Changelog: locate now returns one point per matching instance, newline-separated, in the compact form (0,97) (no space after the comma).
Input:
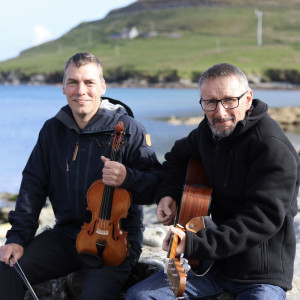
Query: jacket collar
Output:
(105,119)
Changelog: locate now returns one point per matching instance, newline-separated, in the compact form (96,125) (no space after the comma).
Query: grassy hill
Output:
(188,41)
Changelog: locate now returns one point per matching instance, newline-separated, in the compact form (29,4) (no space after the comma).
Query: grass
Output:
(208,35)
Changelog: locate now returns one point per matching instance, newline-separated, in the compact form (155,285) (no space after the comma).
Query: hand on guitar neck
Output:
(181,243)
(189,215)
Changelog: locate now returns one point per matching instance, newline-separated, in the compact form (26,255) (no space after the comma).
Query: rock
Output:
(4,213)
(3,229)
(153,236)
(152,260)
(288,117)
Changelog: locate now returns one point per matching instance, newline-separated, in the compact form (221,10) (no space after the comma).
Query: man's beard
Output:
(222,133)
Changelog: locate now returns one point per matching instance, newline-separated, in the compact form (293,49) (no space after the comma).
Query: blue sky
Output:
(27,23)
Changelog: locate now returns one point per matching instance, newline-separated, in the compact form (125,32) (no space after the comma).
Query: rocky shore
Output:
(287,117)
(152,258)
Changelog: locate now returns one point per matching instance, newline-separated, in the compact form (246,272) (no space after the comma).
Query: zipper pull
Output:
(75,152)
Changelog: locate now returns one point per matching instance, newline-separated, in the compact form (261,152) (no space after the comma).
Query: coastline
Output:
(287,117)
(181,84)
(187,84)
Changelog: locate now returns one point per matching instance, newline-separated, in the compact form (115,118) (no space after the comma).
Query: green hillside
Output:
(188,41)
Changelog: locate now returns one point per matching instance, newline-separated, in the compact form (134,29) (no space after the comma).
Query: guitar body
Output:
(195,203)
(196,196)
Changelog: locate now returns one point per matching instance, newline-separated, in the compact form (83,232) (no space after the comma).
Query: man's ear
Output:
(103,86)
(249,98)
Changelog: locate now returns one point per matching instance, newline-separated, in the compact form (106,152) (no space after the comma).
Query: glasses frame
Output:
(221,100)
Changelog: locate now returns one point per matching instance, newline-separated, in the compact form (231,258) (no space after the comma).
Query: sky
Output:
(28,23)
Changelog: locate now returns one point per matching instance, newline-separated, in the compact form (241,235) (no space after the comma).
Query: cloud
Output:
(40,35)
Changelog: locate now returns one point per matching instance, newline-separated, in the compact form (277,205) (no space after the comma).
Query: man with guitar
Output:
(73,151)
(253,170)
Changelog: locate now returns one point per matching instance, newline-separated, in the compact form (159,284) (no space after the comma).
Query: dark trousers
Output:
(51,255)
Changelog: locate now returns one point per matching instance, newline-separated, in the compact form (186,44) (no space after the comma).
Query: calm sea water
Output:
(24,109)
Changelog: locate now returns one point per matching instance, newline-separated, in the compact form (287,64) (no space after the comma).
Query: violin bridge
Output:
(102,232)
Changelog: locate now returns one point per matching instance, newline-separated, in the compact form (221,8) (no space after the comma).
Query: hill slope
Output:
(185,40)
(145,5)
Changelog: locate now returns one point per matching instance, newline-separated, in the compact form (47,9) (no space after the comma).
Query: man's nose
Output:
(220,110)
(80,88)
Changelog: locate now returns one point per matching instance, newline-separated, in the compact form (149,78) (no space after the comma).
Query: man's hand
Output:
(113,172)
(166,210)
(11,251)
(181,240)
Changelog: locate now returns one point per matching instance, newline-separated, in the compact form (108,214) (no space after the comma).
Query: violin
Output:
(102,241)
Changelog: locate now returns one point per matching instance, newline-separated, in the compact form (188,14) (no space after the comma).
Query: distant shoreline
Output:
(177,85)
(193,85)
(288,117)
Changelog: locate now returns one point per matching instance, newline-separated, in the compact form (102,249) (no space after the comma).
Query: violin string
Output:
(105,198)
(108,190)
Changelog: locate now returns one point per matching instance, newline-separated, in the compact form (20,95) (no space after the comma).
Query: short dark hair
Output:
(224,70)
(81,59)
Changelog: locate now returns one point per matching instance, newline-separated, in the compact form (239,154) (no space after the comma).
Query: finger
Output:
(11,262)
(163,210)
(164,220)
(168,213)
(161,217)
(104,159)
(166,241)
(178,232)
(8,257)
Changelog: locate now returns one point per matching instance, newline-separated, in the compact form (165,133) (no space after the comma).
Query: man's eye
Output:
(211,102)
(229,100)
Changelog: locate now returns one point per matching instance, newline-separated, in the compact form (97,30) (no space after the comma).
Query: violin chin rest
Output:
(91,259)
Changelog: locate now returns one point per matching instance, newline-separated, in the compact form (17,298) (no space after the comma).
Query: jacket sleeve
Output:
(141,165)
(31,198)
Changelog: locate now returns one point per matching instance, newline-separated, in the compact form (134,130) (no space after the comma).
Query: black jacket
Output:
(54,171)
(254,174)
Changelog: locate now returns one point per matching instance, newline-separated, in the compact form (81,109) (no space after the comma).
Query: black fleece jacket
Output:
(55,171)
(254,174)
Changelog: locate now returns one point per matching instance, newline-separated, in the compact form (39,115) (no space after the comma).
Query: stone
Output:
(152,260)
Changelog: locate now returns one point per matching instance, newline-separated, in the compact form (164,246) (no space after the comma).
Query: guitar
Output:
(192,216)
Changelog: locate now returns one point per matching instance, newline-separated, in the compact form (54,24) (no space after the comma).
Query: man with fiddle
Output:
(73,151)
(253,170)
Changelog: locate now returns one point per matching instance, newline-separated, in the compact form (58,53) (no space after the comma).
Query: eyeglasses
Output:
(228,103)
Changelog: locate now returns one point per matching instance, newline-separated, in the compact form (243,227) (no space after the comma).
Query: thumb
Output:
(104,159)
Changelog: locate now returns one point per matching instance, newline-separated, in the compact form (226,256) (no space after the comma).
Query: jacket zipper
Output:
(75,151)
(229,167)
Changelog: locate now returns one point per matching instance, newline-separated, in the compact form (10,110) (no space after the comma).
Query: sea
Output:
(24,109)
